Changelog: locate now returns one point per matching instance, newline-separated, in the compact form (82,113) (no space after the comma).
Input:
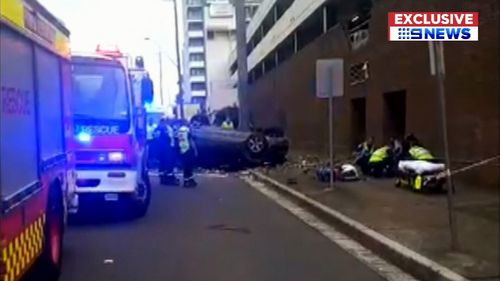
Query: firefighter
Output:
(381,161)
(362,153)
(165,149)
(187,153)
(150,129)
(227,124)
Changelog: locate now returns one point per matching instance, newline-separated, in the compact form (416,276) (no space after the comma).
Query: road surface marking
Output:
(379,265)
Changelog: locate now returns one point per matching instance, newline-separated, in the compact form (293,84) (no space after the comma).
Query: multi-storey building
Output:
(194,52)
(210,37)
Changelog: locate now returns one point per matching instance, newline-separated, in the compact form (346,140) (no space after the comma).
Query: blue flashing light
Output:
(84,137)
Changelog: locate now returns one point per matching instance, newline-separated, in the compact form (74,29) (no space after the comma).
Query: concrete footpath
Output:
(417,222)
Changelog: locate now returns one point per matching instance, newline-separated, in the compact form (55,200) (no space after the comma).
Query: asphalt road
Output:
(222,230)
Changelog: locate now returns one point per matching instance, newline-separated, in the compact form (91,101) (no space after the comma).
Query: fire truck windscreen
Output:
(100,96)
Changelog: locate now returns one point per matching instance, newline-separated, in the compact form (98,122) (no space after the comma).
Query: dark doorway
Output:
(358,121)
(394,114)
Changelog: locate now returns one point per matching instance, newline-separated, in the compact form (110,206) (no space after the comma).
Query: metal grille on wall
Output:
(358,73)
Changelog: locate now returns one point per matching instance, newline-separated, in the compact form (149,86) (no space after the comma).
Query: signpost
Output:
(436,55)
(330,84)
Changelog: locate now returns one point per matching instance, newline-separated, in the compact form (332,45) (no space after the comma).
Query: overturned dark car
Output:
(218,147)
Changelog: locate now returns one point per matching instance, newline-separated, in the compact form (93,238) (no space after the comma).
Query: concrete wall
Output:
(472,89)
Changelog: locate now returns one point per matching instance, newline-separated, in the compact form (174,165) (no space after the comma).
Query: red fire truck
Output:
(110,133)
(36,164)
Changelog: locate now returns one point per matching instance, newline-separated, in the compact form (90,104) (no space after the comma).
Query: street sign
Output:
(329,78)
(330,84)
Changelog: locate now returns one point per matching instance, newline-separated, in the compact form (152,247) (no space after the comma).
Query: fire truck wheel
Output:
(144,199)
(51,258)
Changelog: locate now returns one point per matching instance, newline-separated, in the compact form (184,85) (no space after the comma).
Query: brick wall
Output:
(472,89)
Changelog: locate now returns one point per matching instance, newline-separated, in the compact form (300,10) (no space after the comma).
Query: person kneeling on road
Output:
(381,161)
(187,152)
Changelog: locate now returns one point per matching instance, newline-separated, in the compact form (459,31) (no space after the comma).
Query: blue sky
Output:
(125,23)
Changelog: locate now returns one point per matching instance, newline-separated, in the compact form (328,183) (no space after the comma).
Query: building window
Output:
(195,2)
(195,26)
(197,71)
(196,57)
(250,11)
(195,42)
(198,86)
(358,25)
(210,35)
(195,13)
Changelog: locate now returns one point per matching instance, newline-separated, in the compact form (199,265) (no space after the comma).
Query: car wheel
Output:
(255,146)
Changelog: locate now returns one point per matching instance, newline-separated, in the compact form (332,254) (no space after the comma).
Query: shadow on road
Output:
(101,214)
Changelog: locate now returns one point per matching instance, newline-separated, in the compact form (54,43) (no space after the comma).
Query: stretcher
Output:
(420,175)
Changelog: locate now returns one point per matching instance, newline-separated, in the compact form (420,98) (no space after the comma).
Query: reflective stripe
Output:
(365,148)
(150,131)
(227,125)
(418,183)
(420,153)
(183,136)
(23,250)
(379,154)
(171,135)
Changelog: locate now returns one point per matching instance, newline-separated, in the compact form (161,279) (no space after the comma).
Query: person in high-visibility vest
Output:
(165,147)
(362,153)
(227,124)
(380,161)
(419,153)
(187,152)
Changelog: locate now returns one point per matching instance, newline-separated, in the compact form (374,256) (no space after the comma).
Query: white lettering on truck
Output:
(98,130)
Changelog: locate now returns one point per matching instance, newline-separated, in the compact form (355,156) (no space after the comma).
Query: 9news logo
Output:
(433,26)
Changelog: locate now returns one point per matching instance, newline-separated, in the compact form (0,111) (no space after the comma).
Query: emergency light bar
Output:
(110,51)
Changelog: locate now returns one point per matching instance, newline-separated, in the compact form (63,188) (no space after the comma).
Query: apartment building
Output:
(194,53)
(210,37)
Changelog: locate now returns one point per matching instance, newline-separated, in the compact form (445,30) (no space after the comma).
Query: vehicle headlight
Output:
(116,156)
(83,137)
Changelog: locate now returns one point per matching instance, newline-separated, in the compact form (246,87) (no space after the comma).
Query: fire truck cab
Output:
(36,160)
(109,133)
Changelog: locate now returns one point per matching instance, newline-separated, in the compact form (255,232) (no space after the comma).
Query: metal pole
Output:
(440,73)
(330,123)
(241,45)
(180,97)
(161,76)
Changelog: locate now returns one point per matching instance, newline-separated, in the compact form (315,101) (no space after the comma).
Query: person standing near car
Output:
(165,146)
(152,155)
(187,153)
(227,124)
